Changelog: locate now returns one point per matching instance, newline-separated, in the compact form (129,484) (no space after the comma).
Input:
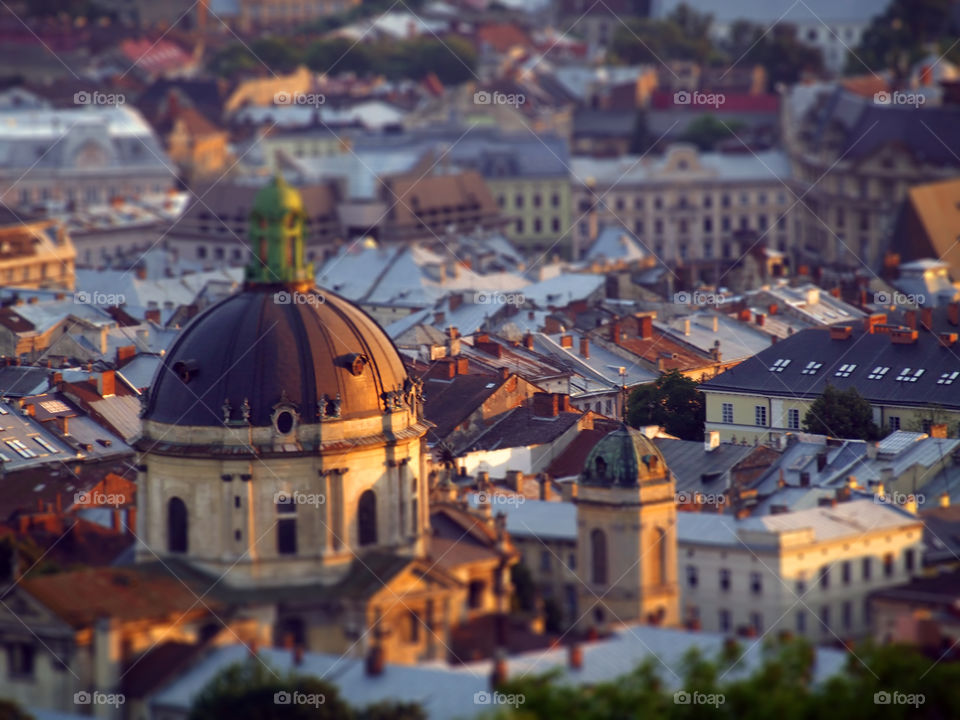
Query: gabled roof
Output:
(867,352)
(521,427)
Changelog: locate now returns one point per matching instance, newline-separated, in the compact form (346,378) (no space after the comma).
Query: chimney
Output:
(514,480)
(546,488)
(456,300)
(125,353)
(944,500)
(761,318)
(821,460)
(528,341)
(711,440)
(871,321)
(141,272)
(584,347)
(938,430)
(544,404)
(827,502)
(953,313)
(374,664)
(686,327)
(646,327)
(903,336)
(152,316)
(926,319)
(504,373)
(575,656)
(463,366)
(566,341)
(772,309)
(840,332)
(948,339)
(910,317)
(615,332)
(499,675)
(490,348)
(63,424)
(107,383)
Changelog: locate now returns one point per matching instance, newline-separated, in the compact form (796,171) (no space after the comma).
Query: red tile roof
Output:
(503,36)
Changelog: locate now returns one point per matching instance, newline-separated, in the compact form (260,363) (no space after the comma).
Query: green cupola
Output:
(276,237)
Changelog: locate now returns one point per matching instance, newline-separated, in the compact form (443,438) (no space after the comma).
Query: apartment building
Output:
(809,572)
(854,159)
(909,376)
(686,205)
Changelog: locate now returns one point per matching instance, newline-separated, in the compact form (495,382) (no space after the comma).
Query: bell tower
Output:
(627,535)
(276,237)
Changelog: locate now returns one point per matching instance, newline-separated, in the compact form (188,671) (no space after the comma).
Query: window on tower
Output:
(177,525)
(367,518)
(598,553)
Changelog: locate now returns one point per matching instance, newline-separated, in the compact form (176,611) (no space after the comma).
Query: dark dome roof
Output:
(623,457)
(254,347)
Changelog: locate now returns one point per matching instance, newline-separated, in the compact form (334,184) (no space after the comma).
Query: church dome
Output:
(623,457)
(280,345)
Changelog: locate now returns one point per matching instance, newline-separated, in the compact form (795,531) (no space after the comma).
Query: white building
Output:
(74,158)
(807,572)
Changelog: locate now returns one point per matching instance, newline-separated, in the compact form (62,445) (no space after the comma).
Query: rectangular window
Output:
(867,568)
(756,620)
(824,577)
(727,410)
(793,419)
(287,536)
(756,583)
(846,572)
(909,558)
(545,561)
(888,565)
(894,422)
(846,614)
(760,415)
(724,579)
(20,660)
(801,622)
(691,575)
(724,618)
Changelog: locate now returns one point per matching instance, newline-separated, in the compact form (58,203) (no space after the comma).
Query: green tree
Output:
(525,591)
(251,691)
(338,55)
(277,54)
(642,40)
(389,710)
(706,131)
(904,33)
(673,402)
(233,60)
(777,50)
(841,414)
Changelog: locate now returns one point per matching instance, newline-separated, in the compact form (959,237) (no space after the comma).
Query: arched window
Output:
(177,525)
(660,571)
(598,552)
(367,518)
(601,465)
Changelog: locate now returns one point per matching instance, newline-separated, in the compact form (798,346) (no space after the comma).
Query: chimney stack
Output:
(584,347)
(545,404)
(375,662)
(575,656)
(615,332)
(528,341)
(499,675)
(646,327)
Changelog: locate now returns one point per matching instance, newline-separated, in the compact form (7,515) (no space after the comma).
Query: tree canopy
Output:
(673,402)
(841,414)
(782,687)
(251,690)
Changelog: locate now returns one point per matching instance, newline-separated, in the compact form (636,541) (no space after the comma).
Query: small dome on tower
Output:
(624,457)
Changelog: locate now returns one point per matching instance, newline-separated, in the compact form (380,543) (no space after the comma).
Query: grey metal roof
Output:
(867,351)
(695,469)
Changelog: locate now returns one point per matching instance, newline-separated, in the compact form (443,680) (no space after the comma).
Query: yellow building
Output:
(35,254)
(908,376)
